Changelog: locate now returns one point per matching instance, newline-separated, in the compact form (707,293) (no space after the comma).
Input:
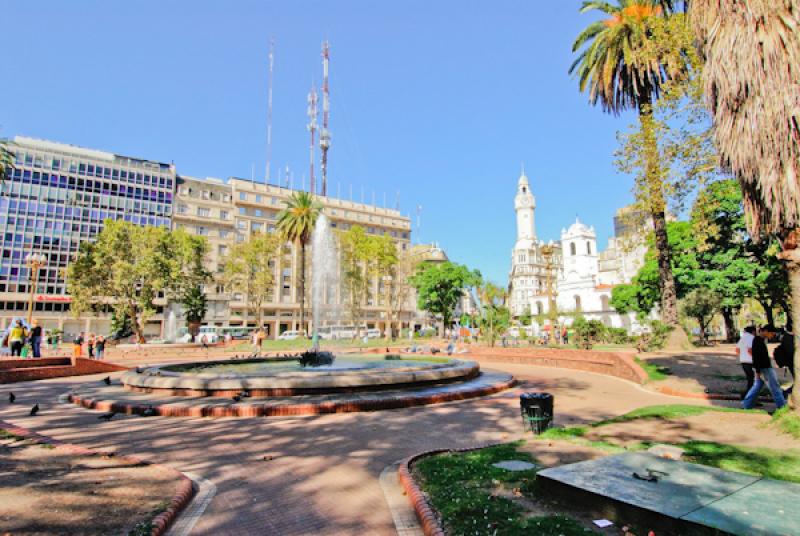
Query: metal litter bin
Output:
(537,411)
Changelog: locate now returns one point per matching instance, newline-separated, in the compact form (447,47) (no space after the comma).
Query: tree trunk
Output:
(138,329)
(791,255)
(730,325)
(657,208)
(768,312)
(302,289)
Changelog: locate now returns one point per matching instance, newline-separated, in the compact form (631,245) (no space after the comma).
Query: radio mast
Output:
(312,128)
(269,112)
(325,135)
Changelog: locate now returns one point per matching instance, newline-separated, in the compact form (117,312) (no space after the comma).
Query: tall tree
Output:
(702,304)
(358,270)
(249,269)
(492,299)
(440,286)
(296,223)
(623,67)
(387,267)
(752,65)
(130,267)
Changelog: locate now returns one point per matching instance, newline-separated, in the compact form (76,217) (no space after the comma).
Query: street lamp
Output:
(34,262)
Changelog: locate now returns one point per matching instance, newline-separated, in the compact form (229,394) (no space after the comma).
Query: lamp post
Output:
(34,262)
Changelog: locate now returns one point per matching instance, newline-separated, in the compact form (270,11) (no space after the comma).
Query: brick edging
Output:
(163,520)
(425,512)
(666,390)
(210,410)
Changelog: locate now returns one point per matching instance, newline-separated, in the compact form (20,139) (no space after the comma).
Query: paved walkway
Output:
(321,475)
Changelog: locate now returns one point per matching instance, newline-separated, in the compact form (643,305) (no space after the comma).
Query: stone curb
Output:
(427,516)
(702,396)
(290,409)
(163,520)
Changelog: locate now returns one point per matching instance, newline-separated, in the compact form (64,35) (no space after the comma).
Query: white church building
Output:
(571,267)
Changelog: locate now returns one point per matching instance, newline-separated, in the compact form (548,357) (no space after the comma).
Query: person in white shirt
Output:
(745,347)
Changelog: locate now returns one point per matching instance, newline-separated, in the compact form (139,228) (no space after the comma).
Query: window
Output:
(572,248)
(226,198)
(202,230)
(258,198)
(242,211)
(222,250)
(223,233)
(242,196)
(224,215)
(241,224)
(258,212)
(257,227)
(205,194)
(182,209)
(203,212)
(588,248)
(604,303)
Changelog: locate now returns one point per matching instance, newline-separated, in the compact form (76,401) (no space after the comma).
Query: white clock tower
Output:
(525,205)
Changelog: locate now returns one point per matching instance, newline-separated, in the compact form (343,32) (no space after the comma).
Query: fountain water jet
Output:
(324,277)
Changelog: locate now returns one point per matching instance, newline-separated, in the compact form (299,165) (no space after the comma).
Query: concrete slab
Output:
(514,465)
(680,488)
(764,507)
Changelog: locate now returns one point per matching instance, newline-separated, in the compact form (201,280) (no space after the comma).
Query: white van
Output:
(333,333)
(290,335)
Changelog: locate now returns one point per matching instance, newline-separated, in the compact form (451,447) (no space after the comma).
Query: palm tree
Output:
(621,71)
(296,223)
(752,65)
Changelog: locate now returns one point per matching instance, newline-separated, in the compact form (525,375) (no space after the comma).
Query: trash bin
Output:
(537,411)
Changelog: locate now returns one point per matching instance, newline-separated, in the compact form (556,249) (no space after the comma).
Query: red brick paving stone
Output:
(324,477)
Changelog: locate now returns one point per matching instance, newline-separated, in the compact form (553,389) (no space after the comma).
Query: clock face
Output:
(525,201)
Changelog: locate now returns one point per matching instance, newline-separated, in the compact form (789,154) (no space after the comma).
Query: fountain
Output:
(324,283)
(405,379)
(171,328)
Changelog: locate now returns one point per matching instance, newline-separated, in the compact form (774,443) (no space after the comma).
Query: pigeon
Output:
(107,416)
(149,411)
(237,398)
(107,380)
(35,409)
(11,398)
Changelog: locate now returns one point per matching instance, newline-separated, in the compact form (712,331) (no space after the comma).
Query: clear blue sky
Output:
(441,101)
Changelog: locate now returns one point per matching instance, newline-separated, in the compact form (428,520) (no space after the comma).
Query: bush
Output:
(616,336)
(587,332)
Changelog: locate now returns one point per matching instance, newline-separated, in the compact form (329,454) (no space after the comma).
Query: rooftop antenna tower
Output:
(269,112)
(325,135)
(312,128)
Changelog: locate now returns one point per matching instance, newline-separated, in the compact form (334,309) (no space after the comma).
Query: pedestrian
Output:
(77,345)
(745,347)
(99,346)
(765,374)
(204,342)
(36,339)
(90,345)
(228,338)
(784,357)
(564,335)
(16,338)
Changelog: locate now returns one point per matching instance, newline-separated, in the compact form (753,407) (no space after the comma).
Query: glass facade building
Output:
(58,196)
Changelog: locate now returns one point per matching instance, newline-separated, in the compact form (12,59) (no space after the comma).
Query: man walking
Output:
(745,347)
(784,357)
(763,367)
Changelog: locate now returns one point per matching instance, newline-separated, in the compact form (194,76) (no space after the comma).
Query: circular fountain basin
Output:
(285,377)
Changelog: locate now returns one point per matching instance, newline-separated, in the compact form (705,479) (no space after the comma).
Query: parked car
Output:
(290,335)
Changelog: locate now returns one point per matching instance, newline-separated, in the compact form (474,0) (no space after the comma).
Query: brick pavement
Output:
(323,475)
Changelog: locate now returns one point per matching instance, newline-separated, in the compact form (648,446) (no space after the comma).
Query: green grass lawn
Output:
(654,372)
(303,344)
(460,487)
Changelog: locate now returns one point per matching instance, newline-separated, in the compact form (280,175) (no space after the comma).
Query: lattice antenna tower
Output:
(269,112)
(312,129)
(325,134)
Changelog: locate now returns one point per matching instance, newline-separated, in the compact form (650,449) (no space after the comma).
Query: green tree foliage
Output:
(494,316)
(296,223)
(359,267)
(527,317)
(440,286)
(128,267)
(195,306)
(643,293)
(587,333)
(702,304)
(249,269)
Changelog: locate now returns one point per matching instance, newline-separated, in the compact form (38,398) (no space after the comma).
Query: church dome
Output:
(579,229)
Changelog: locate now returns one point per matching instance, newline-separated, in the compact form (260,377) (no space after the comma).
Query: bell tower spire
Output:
(525,205)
